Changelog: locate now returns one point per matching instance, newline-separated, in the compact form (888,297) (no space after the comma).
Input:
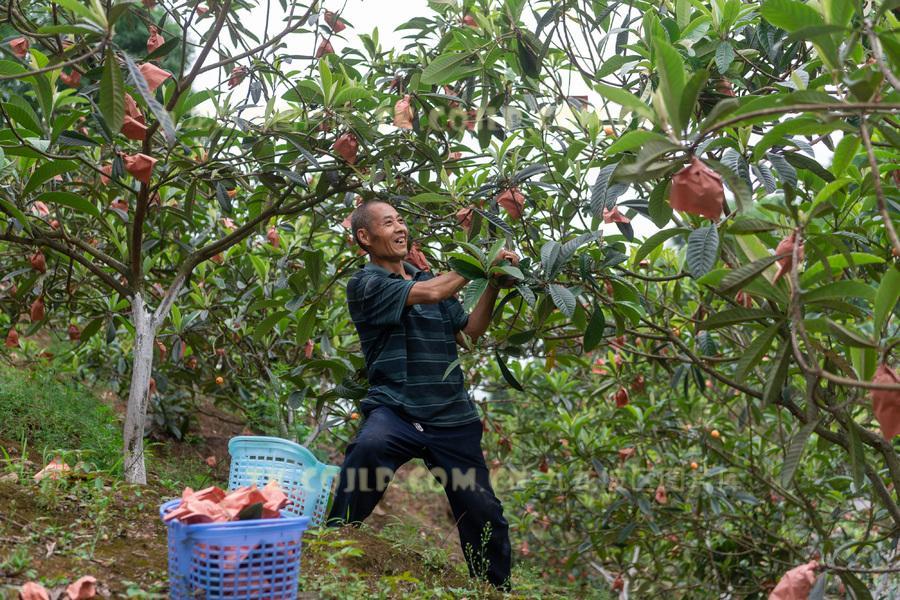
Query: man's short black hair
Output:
(361,218)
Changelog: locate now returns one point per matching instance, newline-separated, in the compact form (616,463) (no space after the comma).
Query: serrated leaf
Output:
(467,266)
(593,335)
(886,298)
(848,336)
(794,452)
(267,324)
(495,220)
(625,99)
(600,189)
(563,299)
(655,241)
(724,56)
(112,93)
(751,356)
(786,172)
(857,457)
(72,200)
(446,68)
(223,198)
(568,249)
(526,293)
(790,15)
(46,171)
(702,250)
(746,225)
(507,374)
(550,257)
(158,110)
(739,277)
(473,292)
(659,209)
(733,316)
(776,375)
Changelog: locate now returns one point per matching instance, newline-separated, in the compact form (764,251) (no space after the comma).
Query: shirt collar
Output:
(409,268)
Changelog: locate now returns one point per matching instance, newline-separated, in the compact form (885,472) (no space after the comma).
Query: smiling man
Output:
(409,323)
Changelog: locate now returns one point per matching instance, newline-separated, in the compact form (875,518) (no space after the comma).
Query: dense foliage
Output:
(685,412)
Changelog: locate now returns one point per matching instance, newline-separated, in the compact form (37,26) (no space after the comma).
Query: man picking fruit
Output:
(409,323)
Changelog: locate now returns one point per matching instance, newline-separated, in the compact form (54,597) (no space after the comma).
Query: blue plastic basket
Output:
(306,481)
(239,559)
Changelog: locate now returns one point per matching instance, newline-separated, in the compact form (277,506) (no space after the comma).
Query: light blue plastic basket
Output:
(252,559)
(306,481)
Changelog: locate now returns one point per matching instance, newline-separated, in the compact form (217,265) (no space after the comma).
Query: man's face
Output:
(387,235)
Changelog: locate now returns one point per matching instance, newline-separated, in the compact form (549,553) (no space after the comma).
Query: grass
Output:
(52,414)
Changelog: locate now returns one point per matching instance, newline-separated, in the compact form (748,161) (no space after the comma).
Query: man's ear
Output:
(363,235)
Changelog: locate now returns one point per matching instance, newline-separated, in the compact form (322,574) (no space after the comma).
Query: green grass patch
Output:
(51,413)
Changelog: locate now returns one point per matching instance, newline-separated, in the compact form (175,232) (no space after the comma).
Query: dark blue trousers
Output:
(453,455)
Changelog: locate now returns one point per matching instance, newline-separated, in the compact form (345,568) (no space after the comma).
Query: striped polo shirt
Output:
(417,343)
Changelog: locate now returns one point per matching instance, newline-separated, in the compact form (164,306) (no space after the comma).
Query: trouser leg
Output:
(382,445)
(454,456)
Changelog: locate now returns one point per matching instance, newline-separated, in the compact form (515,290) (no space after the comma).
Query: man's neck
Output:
(390,266)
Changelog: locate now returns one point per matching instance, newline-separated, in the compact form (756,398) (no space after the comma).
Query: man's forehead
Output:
(381,211)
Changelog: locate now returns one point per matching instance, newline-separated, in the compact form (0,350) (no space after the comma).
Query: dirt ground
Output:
(82,525)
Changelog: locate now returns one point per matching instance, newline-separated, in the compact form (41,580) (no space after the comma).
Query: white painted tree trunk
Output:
(139,395)
(146,324)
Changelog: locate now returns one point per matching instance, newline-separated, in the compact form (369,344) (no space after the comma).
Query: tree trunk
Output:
(138,396)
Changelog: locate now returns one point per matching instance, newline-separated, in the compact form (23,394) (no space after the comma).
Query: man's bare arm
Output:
(480,317)
(436,289)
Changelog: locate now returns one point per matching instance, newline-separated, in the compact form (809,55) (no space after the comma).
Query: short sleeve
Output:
(458,317)
(377,300)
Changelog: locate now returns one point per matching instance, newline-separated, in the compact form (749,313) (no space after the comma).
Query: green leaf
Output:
(844,153)
(446,68)
(495,251)
(472,292)
(466,266)
(733,316)
(837,262)
(658,207)
(634,140)
(450,368)
(10,209)
(656,240)
(306,324)
(550,257)
(351,94)
(625,99)
(739,277)
(790,15)
(724,56)
(886,298)
(71,200)
(158,110)
(755,351)
(777,375)
(267,324)
(795,451)
(691,92)
(743,195)
(854,583)
(563,299)
(112,93)
(670,67)
(507,374)
(747,225)
(702,250)
(46,171)
(839,290)
(529,54)
(593,335)
(848,336)
(857,457)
